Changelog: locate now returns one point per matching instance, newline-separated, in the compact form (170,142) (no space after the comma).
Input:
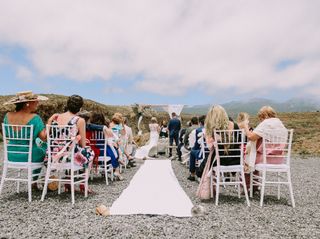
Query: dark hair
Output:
(202,118)
(98,118)
(74,103)
(19,106)
(194,120)
(125,120)
(173,114)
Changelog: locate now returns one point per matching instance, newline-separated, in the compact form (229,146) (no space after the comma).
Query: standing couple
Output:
(150,149)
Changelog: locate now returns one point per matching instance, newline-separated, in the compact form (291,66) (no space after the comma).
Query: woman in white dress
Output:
(144,151)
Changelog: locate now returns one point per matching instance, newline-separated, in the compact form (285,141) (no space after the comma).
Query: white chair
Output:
(17,139)
(228,144)
(276,145)
(61,146)
(98,140)
(204,150)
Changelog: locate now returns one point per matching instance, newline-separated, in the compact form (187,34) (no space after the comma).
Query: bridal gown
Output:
(144,151)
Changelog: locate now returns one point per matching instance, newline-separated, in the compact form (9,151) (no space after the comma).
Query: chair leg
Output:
(211,185)
(251,184)
(239,185)
(18,182)
(30,184)
(262,187)
(59,183)
(45,187)
(290,189)
(217,188)
(278,176)
(3,178)
(106,172)
(86,182)
(244,185)
(72,186)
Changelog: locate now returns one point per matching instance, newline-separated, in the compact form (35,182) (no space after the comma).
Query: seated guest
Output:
(98,119)
(181,149)
(194,125)
(83,155)
(268,121)
(118,139)
(217,119)
(164,132)
(196,149)
(26,104)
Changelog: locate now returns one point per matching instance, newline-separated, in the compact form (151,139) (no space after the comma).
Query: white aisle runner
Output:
(154,189)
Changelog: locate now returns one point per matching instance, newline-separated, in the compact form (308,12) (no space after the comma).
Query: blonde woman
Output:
(268,121)
(217,119)
(144,151)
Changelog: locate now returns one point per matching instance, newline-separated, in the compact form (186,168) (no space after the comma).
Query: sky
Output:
(161,51)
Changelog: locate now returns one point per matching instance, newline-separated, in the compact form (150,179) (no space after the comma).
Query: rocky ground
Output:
(57,218)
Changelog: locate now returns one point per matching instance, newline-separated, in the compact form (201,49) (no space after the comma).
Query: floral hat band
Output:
(25,96)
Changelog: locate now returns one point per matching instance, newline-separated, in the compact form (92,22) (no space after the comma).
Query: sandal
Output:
(118,176)
(102,210)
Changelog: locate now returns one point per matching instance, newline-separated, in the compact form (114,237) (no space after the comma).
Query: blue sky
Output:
(179,52)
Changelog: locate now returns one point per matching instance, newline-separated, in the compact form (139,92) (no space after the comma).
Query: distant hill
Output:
(253,105)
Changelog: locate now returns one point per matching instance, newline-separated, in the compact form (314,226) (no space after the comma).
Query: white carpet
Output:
(154,189)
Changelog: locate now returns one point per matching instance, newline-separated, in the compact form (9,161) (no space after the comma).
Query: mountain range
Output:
(253,105)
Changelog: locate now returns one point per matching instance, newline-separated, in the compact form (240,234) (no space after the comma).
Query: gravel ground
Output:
(57,218)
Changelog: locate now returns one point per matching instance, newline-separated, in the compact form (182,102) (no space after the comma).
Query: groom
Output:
(174,127)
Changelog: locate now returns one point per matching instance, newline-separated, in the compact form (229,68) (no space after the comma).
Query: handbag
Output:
(203,191)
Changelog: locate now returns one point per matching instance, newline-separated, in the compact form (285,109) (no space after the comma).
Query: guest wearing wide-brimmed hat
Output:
(26,104)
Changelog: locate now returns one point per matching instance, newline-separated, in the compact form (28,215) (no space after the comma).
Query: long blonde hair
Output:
(217,118)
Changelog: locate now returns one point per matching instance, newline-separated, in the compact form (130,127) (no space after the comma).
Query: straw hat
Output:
(25,96)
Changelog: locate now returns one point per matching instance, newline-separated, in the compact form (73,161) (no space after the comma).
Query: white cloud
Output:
(175,44)
(114,90)
(25,74)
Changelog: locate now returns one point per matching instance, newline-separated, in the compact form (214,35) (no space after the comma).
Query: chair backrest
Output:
(276,146)
(17,139)
(203,145)
(229,144)
(97,139)
(61,141)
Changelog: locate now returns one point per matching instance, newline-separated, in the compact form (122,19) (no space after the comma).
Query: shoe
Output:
(67,187)
(82,188)
(118,177)
(131,164)
(192,178)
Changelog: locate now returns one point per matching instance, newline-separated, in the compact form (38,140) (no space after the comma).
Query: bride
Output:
(144,151)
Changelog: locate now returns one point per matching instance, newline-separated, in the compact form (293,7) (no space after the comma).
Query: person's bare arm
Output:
(51,119)
(81,124)
(43,135)
(250,134)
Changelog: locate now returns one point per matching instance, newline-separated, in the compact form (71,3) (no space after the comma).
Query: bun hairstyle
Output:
(74,103)
(153,120)
(117,118)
